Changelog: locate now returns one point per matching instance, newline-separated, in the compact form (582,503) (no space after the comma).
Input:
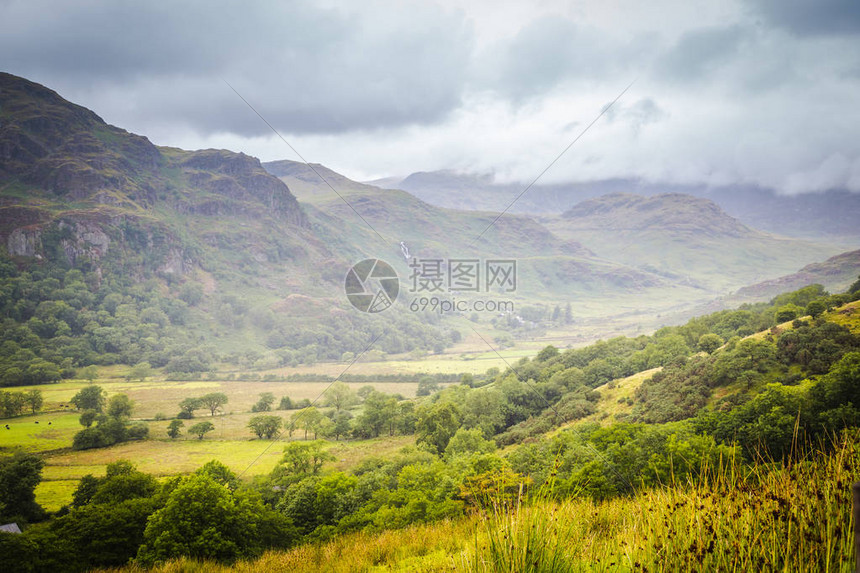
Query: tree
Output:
(140,372)
(340,396)
(265,426)
(12,403)
(709,342)
(89,373)
(379,410)
(120,406)
(286,404)
(466,442)
(307,419)
(264,404)
(20,473)
(342,424)
(174,428)
(87,418)
(201,428)
(89,398)
(187,407)
(427,386)
(786,312)
(305,457)
(365,391)
(213,401)
(485,410)
(855,287)
(202,519)
(815,308)
(34,399)
(436,425)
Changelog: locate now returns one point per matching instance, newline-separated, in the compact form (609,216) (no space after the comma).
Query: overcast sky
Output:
(748,91)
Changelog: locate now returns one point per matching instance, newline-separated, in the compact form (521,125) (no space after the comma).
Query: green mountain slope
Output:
(209,232)
(550,269)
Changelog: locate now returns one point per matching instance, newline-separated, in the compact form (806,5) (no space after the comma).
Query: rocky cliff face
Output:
(235,183)
(74,187)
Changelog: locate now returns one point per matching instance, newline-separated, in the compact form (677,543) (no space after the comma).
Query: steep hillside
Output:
(207,244)
(65,169)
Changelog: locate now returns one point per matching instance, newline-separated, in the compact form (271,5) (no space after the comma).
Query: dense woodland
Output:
(55,320)
(796,381)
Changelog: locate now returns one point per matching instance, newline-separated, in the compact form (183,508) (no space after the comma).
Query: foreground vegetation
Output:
(505,455)
(792,516)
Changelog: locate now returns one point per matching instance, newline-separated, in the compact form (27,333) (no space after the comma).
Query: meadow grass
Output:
(53,431)
(185,455)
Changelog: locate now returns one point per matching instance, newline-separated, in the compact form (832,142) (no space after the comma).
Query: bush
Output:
(89,438)
(138,431)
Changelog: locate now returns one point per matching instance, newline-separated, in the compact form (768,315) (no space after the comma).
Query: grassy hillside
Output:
(208,245)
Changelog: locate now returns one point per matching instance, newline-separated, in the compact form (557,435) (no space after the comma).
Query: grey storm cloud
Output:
(748,91)
(700,53)
(811,17)
(306,68)
(545,52)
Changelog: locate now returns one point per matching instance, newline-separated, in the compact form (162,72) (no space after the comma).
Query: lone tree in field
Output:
(307,419)
(89,398)
(305,457)
(213,401)
(265,426)
(174,429)
(187,407)
(201,428)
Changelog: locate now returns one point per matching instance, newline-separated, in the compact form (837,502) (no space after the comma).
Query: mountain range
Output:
(280,236)
(831,213)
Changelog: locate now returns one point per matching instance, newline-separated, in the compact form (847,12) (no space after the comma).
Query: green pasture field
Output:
(51,432)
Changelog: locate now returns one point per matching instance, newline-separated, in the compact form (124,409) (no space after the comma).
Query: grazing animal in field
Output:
(37,421)
(49,423)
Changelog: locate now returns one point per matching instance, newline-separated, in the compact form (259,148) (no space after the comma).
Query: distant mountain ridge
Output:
(836,274)
(825,214)
(669,211)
